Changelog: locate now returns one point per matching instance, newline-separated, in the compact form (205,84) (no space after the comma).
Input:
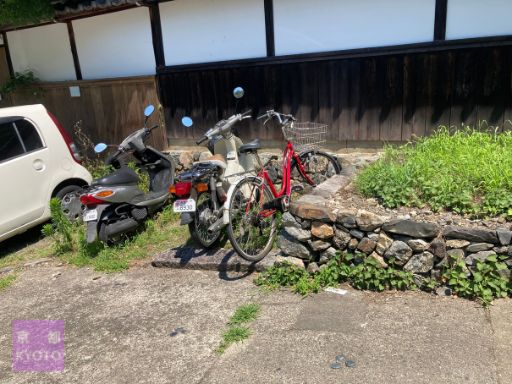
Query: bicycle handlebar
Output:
(283,118)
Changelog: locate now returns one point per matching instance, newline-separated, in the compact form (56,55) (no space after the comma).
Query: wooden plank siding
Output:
(365,100)
(109,109)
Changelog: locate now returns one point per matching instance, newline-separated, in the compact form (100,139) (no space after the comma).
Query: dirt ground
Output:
(119,329)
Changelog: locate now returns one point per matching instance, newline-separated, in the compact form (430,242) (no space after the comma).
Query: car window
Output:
(10,145)
(29,135)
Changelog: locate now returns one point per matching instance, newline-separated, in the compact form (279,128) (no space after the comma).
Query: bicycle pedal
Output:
(297,188)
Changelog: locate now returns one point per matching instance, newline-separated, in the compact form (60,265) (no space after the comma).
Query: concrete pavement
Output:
(119,329)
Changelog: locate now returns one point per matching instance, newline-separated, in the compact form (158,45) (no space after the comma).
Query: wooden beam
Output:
(8,55)
(269,27)
(435,46)
(156,32)
(440,20)
(74,52)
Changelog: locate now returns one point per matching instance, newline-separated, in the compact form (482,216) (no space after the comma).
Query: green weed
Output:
(245,314)
(484,282)
(6,281)
(467,171)
(69,241)
(61,229)
(236,332)
(231,336)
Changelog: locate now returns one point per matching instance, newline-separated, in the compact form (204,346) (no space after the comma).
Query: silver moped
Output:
(202,191)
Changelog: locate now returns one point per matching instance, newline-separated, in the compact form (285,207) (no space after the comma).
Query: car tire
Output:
(69,197)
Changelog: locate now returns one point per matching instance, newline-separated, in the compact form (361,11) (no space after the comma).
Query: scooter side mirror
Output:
(238,92)
(98,148)
(149,110)
(187,121)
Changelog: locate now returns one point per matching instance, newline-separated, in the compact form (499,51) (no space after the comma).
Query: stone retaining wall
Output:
(313,233)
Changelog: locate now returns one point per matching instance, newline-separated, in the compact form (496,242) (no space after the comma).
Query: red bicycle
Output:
(254,200)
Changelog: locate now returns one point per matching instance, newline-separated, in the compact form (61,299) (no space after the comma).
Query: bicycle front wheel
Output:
(318,165)
(252,222)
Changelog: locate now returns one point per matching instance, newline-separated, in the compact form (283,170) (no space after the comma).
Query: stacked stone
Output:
(313,233)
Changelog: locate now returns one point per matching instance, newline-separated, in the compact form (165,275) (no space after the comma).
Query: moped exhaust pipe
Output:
(217,226)
(122,226)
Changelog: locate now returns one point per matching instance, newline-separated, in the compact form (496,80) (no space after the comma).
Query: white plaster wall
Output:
(44,50)
(478,18)
(303,26)
(196,31)
(115,45)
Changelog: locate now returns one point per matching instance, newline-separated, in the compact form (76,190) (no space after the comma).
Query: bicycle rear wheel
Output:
(252,226)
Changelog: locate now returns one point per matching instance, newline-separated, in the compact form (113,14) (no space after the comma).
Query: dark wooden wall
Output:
(109,109)
(365,101)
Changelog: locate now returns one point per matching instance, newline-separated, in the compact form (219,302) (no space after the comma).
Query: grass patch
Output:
(160,233)
(236,332)
(6,281)
(245,314)
(485,283)
(467,171)
(233,335)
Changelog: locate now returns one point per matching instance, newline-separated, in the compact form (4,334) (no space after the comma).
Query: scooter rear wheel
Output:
(202,221)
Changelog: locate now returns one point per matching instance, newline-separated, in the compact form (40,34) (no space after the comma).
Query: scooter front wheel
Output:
(203,219)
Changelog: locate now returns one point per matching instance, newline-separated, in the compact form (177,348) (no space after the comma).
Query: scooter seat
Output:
(251,147)
(149,198)
(216,160)
(122,176)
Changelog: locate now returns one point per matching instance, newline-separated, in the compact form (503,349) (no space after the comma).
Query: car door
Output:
(24,175)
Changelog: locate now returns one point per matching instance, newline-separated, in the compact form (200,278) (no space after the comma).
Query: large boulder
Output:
(383,243)
(399,251)
(319,245)
(366,245)
(379,259)
(186,159)
(451,244)
(420,263)
(438,248)
(292,247)
(504,236)
(471,234)
(341,238)
(347,218)
(368,221)
(477,247)
(412,228)
(322,230)
(480,256)
(281,260)
(418,245)
(287,220)
(312,211)
(327,255)
(298,233)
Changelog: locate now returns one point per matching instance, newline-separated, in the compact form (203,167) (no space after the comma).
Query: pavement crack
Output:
(487,314)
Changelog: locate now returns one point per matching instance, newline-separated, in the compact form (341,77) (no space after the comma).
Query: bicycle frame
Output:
(286,188)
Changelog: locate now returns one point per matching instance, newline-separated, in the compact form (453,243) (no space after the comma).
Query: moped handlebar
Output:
(202,140)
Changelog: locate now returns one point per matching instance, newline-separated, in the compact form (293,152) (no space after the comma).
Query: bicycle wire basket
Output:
(305,136)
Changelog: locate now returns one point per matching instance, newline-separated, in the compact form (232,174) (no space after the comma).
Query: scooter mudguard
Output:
(187,218)
(92,231)
(92,226)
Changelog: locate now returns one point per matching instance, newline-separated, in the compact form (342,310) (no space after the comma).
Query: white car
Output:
(38,161)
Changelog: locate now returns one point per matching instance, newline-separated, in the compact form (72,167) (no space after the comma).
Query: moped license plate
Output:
(184,205)
(91,215)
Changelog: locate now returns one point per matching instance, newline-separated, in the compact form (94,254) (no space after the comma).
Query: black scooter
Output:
(115,203)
